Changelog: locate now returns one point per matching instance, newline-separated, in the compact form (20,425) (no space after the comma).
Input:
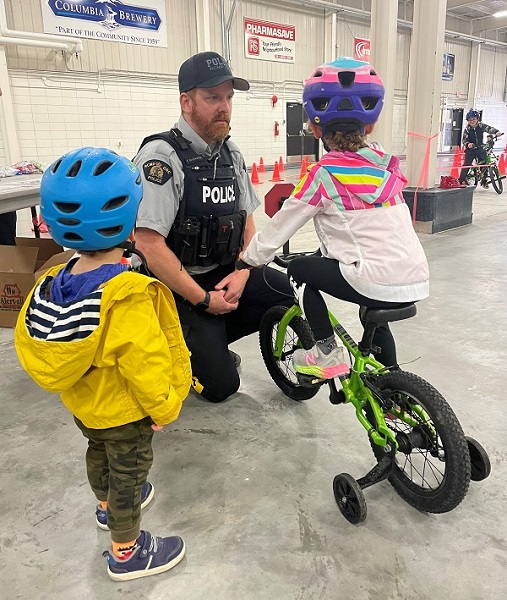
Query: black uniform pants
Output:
(321,274)
(480,156)
(208,336)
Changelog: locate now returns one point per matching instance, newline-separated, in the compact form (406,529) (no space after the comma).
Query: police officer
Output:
(195,217)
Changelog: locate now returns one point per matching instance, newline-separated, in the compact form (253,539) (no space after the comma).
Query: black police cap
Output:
(207,70)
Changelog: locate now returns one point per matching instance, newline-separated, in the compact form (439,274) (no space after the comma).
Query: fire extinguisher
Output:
(277,128)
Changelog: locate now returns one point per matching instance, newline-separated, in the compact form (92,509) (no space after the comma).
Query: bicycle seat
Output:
(386,315)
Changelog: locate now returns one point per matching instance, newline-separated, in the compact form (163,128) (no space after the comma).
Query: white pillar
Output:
(383,36)
(474,75)
(7,120)
(424,88)
(203,20)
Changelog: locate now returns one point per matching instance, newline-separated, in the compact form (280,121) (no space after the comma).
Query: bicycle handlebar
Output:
(282,260)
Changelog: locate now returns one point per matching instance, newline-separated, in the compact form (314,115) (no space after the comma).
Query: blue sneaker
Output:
(147,493)
(151,555)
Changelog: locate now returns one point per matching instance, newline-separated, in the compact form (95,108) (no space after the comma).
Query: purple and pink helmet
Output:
(343,95)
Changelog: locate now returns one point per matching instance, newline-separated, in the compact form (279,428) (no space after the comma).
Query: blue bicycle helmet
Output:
(472,114)
(89,199)
(344,95)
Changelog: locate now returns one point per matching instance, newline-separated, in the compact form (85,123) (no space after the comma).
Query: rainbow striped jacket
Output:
(360,217)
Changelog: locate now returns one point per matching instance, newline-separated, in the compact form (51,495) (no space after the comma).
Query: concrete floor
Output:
(248,483)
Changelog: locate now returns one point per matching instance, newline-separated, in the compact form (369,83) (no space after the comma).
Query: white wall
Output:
(55,113)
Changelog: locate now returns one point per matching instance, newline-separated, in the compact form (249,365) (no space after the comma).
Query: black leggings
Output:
(319,274)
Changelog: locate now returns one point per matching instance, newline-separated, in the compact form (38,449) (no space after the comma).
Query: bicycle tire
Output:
(496,179)
(298,335)
(428,487)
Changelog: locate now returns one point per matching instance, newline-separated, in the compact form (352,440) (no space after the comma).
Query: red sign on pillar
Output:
(362,49)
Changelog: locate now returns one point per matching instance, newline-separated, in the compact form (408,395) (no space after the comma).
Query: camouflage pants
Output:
(118,460)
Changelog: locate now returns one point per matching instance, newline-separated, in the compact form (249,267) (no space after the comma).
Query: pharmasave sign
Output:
(269,41)
(108,20)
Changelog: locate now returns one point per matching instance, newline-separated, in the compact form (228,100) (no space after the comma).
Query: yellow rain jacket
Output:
(133,365)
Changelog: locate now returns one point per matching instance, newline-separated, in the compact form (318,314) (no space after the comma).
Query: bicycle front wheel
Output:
(297,335)
(496,179)
(472,177)
(432,466)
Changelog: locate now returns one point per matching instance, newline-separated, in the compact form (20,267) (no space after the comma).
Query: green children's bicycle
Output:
(487,174)
(415,436)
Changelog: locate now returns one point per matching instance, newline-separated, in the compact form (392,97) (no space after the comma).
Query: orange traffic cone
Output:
(255,176)
(280,164)
(502,167)
(304,167)
(261,165)
(276,173)
(456,162)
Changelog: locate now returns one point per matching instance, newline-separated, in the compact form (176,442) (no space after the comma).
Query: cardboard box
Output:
(20,267)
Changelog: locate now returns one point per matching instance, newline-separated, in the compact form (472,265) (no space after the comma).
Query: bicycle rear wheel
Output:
(432,466)
(297,335)
(496,179)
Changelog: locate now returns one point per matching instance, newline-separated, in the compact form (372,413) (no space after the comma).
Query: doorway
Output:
(456,127)
(300,140)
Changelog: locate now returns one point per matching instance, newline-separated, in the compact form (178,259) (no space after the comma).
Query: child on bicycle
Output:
(369,253)
(110,342)
(472,141)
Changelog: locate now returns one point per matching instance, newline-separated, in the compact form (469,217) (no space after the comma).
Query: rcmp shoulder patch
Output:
(157,171)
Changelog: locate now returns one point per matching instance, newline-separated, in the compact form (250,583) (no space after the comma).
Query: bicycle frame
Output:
(355,388)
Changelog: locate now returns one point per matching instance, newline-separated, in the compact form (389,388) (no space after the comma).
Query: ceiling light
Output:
(502,13)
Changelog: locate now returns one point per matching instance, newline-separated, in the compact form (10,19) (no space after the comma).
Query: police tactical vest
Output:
(209,227)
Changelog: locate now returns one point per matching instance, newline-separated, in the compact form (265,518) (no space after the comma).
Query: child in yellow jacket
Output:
(110,342)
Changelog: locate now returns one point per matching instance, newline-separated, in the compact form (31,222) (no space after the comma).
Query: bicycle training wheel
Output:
(432,465)
(349,498)
(496,179)
(298,335)
(479,460)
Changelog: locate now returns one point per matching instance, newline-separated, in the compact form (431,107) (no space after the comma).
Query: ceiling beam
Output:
(457,3)
(489,23)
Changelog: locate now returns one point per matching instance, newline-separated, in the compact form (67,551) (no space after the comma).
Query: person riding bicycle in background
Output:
(369,254)
(472,141)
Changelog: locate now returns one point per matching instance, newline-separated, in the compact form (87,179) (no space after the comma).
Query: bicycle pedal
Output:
(309,380)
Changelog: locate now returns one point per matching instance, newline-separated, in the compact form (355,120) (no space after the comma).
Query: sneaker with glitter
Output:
(151,555)
(315,362)
(147,492)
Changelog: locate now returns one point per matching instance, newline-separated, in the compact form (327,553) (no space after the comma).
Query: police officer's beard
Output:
(211,129)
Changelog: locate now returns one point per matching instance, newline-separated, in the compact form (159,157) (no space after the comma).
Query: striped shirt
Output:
(62,322)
